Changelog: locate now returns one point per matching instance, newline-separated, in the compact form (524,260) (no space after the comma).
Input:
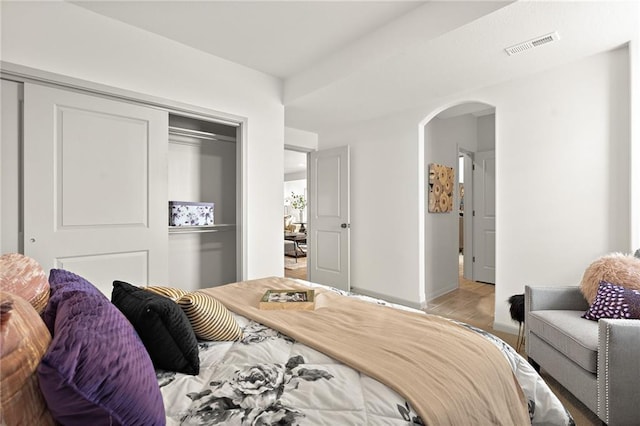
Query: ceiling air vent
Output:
(538,41)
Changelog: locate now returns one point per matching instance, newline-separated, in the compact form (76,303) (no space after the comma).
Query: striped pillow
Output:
(209,318)
(169,292)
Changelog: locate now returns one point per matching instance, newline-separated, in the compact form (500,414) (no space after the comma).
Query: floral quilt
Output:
(268,378)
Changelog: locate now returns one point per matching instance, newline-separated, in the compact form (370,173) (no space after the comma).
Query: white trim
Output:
(634,147)
(386,297)
(299,148)
(505,328)
(21,73)
(242,173)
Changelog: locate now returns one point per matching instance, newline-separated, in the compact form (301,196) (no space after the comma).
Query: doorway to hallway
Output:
(461,137)
(295,200)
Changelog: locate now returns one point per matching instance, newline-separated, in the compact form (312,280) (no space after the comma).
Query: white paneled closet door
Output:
(95,186)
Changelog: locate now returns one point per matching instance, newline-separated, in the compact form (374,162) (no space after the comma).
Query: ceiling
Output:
(348,61)
(294,161)
(279,38)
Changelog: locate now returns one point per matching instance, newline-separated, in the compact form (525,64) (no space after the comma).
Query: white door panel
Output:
(328,261)
(484,217)
(95,186)
(328,251)
(104,268)
(328,188)
(96,153)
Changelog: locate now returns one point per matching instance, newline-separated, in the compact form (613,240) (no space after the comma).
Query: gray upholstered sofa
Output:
(597,361)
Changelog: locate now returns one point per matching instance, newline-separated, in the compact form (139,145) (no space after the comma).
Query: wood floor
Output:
(473,303)
(300,272)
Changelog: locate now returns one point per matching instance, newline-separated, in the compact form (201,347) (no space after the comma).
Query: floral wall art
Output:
(440,188)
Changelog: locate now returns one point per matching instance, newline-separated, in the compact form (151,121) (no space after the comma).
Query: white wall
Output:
(441,229)
(302,139)
(486,133)
(563,181)
(62,38)
(563,175)
(385,255)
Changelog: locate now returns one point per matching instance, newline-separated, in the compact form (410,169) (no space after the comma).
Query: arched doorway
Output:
(462,131)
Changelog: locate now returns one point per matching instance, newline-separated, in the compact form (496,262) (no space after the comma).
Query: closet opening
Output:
(203,173)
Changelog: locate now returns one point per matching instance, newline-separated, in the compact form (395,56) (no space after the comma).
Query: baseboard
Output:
(505,328)
(386,297)
(442,292)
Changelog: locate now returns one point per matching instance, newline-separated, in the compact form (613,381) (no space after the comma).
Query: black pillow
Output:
(162,326)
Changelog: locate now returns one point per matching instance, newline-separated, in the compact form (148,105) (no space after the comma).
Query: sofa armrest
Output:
(618,371)
(568,298)
(565,298)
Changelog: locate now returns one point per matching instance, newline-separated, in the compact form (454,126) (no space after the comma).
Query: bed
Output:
(351,360)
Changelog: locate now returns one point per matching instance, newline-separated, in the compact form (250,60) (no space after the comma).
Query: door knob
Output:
(345,225)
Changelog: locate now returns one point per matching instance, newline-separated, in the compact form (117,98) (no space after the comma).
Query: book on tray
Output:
(288,299)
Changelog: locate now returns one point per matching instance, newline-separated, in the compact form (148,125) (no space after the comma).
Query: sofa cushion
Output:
(288,221)
(569,333)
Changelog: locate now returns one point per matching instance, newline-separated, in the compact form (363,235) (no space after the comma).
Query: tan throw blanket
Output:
(450,375)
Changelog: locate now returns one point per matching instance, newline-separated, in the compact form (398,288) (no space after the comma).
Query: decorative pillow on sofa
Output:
(23,341)
(209,318)
(613,301)
(163,327)
(23,276)
(96,370)
(288,221)
(621,269)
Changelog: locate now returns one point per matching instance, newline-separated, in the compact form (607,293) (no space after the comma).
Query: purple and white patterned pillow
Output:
(614,301)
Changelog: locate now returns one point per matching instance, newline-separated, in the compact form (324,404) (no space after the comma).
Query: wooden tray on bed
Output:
(288,299)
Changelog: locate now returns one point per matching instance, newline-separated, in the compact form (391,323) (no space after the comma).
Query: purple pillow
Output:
(96,370)
(64,284)
(614,301)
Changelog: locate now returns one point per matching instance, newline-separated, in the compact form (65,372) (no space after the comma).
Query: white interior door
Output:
(484,217)
(329,227)
(95,186)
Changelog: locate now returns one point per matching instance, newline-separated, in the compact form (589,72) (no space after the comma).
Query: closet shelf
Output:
(201,229)
(179,131)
